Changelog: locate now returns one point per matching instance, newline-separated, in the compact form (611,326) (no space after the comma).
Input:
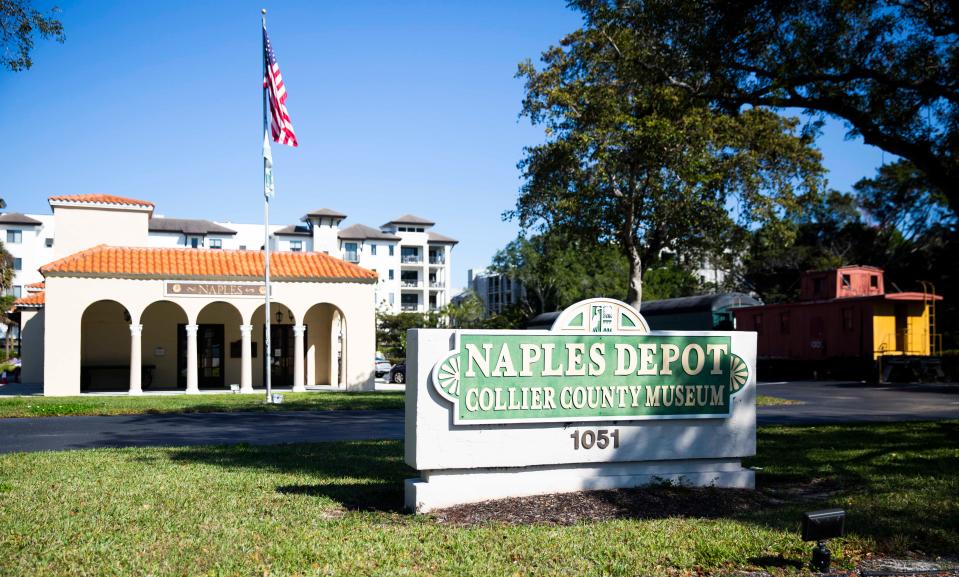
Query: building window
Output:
(847,317)
(242,247)
(392,250)
(49,242)
(14,236)
(391,299)
(784,323)
(296,245)
(846,281)
(18,264)
(216,243)
(391,274)
(874,281)
(351,252)
(373,249)
(17,291)
(194,242)
(410,254)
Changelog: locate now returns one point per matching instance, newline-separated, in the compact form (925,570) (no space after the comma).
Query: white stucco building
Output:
(116,298)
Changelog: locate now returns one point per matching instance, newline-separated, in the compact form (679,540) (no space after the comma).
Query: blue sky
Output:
(399,107)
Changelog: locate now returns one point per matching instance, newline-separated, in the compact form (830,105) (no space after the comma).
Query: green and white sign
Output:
(598,363)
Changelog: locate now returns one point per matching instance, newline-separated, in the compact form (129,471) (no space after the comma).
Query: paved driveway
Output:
(846,402)
(57,433)
(823,402)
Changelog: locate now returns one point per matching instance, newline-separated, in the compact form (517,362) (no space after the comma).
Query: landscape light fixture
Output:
(821,525)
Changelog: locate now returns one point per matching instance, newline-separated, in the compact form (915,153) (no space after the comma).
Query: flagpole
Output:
(266,231)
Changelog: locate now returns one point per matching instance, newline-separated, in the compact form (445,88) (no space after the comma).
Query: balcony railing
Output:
(437,284)
(411,259)
(406,307)
(437,260)
(410,283)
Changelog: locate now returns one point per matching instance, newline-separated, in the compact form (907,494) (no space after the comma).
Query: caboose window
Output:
(846,282)
(874,281)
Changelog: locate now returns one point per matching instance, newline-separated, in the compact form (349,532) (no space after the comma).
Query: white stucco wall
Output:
(31,345)
(79,228)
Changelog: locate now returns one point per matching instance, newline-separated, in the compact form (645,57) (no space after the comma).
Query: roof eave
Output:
(233,278)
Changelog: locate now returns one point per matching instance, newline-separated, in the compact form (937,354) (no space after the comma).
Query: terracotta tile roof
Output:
(35,286)
(173,263)
(31,300)
(101,199)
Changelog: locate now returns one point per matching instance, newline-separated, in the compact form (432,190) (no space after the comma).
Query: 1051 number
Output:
(600,439)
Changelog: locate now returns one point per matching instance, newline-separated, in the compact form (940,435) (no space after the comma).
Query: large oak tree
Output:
(632,160)
(889,69)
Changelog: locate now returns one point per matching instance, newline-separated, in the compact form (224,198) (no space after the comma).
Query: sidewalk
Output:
(34,389)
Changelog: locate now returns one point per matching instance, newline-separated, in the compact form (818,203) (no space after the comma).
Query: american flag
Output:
(280,125)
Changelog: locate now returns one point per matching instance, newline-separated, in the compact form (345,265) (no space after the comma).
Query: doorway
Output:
(210,356)
(282,355)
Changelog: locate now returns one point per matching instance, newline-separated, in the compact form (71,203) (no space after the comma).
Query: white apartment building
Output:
(413,262)
(497,291)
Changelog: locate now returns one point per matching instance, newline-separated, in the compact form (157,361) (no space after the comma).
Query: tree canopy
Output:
(632,161)
(888,69)
(19,22)
(557,270)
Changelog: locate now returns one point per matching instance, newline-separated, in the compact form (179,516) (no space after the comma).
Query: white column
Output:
(246,359)
(136,370)
(298,382)
(192,381)
(334,366)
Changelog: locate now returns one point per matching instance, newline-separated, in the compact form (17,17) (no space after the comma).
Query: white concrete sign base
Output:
(460,461)
(440,489)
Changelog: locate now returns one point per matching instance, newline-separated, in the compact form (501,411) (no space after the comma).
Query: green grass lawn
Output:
(123,405)
(333,509)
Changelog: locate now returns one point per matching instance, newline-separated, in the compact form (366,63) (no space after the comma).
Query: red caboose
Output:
(844,323)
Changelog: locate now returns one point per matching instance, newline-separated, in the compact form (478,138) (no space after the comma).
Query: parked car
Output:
(381,366)
(398,373)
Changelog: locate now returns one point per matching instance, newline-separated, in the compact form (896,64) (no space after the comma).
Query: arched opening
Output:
(218,342)
(105,347)
(326,347)
(163,322)
(281,343)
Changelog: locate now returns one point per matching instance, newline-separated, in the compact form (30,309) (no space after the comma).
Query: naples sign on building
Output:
(597,402)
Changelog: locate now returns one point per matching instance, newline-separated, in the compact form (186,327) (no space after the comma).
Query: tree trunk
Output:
(634,296)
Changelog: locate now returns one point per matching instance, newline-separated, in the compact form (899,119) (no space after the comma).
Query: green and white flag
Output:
(268,189)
